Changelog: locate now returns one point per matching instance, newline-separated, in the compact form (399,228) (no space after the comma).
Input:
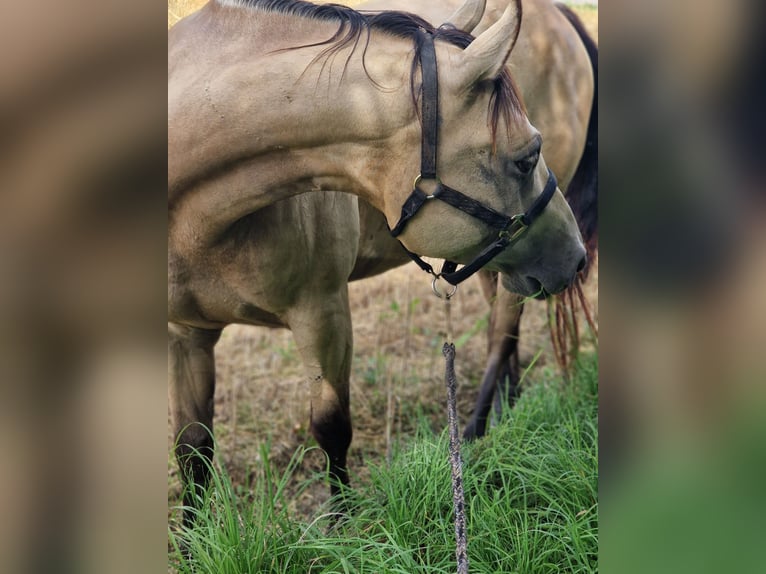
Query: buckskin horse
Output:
(555,65)
(259,110)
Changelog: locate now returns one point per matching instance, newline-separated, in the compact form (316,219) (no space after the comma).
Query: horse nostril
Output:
(583,262)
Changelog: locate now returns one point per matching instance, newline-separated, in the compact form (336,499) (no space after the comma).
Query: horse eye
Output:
(527,164)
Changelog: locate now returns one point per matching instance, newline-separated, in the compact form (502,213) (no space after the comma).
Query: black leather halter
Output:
(510,227)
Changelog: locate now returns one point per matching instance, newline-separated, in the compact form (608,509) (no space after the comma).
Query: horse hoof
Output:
(469,433)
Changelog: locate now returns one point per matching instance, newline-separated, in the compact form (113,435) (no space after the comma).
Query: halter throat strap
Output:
(510,228)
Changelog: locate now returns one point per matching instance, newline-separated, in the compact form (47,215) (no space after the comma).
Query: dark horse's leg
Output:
(502,355)
(508,389)
(322,330)
(191,385)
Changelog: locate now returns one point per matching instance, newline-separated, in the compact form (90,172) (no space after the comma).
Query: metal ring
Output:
(419,178)
(438,293)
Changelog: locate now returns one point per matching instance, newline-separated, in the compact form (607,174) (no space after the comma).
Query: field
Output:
(397,391)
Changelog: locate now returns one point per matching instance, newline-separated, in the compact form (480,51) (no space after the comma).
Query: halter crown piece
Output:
(509,228)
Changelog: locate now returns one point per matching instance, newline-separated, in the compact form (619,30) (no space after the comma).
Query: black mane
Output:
(505,101)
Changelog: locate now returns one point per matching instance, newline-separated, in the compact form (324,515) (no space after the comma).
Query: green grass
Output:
(531,495)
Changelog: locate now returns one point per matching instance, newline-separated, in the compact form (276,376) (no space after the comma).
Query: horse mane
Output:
(505,101)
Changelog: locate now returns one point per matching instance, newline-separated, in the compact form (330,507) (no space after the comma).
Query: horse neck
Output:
(251,125)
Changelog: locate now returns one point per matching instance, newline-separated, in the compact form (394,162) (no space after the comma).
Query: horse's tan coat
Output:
(236,255)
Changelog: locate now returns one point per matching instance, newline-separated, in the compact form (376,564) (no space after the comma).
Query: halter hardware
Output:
(516,219)
(447,295)
(435,194)
(510,227)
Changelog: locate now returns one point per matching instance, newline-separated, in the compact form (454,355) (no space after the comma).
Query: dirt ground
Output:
(261,393)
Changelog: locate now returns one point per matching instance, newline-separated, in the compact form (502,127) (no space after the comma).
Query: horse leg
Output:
(508,389)
(502,339)
(191,386)
(322,331)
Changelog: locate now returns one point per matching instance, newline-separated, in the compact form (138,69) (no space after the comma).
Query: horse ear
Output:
(468,16)
(485,57)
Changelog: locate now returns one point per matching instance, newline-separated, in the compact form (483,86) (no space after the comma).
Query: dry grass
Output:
(398,324)
(177,9)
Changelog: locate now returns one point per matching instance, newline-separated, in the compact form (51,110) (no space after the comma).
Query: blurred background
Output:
(682,269)
(682,303)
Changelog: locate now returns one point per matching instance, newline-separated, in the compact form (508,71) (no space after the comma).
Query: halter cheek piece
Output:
(509,228)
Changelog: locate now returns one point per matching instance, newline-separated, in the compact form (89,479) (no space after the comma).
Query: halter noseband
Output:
(510,228)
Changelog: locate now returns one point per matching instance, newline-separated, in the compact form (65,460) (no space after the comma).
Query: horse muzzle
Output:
(543,285)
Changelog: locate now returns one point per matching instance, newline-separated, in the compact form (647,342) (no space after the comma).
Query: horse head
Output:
(488,149)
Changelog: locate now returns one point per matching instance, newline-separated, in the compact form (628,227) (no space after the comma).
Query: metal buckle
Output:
(515,220)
